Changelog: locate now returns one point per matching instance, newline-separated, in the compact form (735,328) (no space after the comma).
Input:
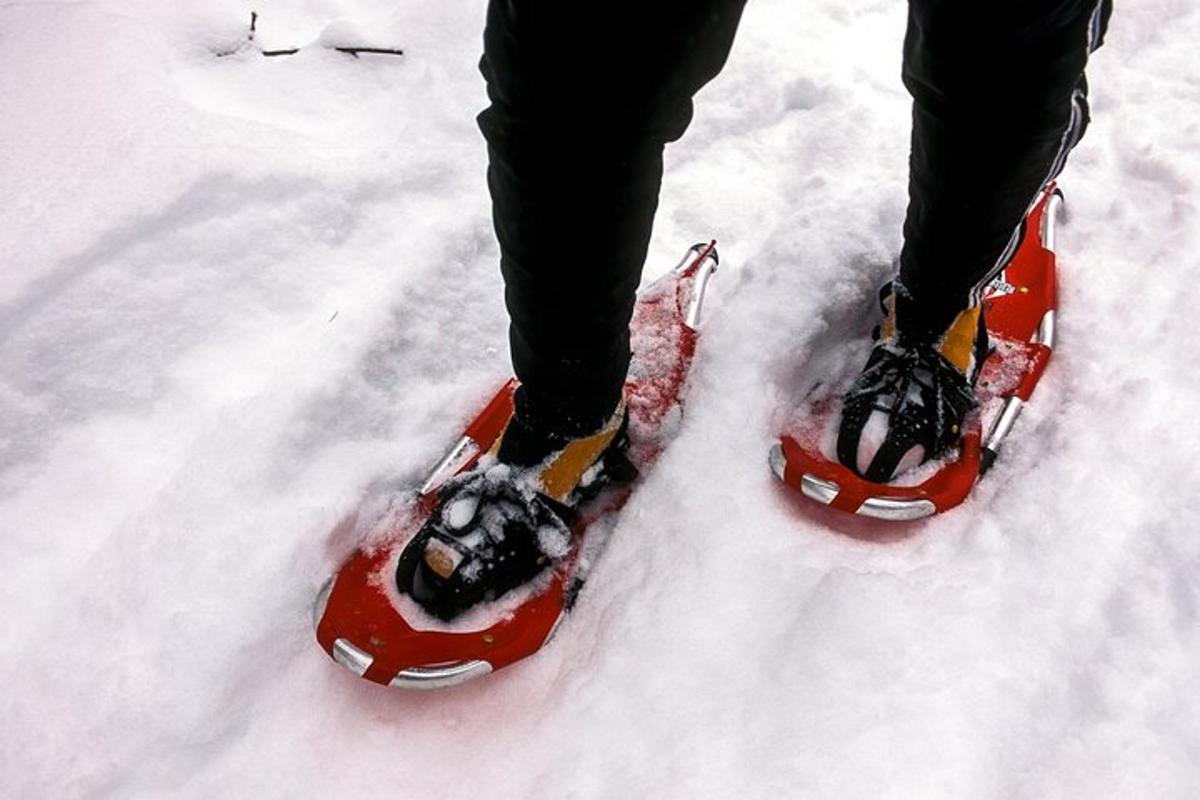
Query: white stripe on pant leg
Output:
(1094,27)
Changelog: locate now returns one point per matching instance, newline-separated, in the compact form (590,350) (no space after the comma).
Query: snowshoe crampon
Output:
(1018,308)
(365,623)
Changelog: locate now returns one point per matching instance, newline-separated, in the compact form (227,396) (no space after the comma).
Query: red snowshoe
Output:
(1018,309)
(365,623)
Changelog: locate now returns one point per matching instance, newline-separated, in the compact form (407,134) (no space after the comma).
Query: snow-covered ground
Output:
(236,292)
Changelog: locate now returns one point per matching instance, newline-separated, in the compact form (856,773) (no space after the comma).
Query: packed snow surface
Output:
(239,293)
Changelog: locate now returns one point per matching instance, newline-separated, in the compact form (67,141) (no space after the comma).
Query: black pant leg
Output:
(999,99)
(583,99)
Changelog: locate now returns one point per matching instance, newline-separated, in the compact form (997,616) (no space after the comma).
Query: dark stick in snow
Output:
(291,51)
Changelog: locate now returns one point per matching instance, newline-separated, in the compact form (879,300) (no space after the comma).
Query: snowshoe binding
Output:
(498,526)
(909,403)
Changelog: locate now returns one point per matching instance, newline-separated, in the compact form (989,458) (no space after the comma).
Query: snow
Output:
(241,293)
(458,514)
